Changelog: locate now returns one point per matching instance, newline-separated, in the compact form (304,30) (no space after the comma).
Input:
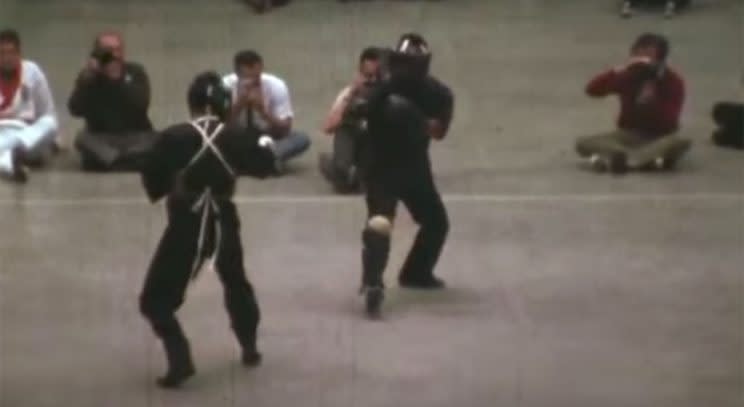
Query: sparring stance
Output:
(729,117)
(403,113)
(195,165)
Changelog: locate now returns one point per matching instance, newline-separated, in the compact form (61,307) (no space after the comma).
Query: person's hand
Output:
(358,82)
(255,99)
(92,67)
(635,60)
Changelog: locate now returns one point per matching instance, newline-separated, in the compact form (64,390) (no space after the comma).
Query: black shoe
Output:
(618,163)
(373,301)
(180,365)
(174,378)
(251,359)
(430,283)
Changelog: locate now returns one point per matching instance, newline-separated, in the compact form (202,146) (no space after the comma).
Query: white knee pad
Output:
(380,224)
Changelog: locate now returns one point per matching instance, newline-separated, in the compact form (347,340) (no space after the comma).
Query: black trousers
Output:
(114,151)
(416,190)
(171,269)
(729,117)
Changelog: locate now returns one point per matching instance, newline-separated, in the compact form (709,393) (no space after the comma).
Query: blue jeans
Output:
(291,145)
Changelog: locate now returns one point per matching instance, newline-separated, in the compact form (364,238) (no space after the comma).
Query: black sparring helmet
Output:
(411,56)
(208,94)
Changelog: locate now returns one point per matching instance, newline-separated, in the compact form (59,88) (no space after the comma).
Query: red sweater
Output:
(659,117)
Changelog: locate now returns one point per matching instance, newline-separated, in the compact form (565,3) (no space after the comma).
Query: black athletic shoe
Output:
(251,359)
(431,283)
(180,364)
(175,377)
(373,301)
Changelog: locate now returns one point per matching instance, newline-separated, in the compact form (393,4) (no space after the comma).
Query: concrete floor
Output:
(567,288)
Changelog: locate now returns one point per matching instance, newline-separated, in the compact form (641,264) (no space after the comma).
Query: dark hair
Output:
(370,54)
(11,36)
(246,58)
(208,91)
(657,41)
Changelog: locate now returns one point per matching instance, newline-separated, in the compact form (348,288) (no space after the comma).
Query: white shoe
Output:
(670,10)
(627,10)
(660,163)
(598,163)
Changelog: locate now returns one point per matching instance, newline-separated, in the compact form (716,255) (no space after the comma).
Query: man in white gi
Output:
(27,116)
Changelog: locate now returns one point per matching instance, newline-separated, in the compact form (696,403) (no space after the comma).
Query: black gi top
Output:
(170,171)
(398,138)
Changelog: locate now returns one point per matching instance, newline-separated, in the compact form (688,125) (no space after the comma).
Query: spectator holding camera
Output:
(28,120)
(338,167)
(261,102)
(651,98)
(112,95)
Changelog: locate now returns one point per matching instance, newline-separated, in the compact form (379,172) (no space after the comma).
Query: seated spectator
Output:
(112,95)
(262,101)
(670,6)
(28,120)
(338,167)
(651,98)
(729,117)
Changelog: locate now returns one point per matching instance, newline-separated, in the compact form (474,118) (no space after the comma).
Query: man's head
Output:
(652,46)
(248,65)
(111,41)
(10,52)
(108,50)
(411,58)
(207,95)
(369,64)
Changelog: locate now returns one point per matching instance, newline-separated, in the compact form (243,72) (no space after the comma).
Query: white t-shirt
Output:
(275,94)
(33,99)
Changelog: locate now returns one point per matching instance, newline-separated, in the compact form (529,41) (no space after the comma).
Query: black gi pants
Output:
(171,270)
(416,190)
(729,117)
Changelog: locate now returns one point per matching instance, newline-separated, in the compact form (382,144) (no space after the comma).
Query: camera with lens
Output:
(103,56)
(358,107)
(644,72)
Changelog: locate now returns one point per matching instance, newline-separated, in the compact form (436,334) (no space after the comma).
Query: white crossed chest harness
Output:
(206,202)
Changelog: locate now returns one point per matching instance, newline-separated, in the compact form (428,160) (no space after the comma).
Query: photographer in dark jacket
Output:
(112,96)
(404,112)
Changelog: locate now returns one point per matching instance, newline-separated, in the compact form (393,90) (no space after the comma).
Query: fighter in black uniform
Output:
(194,164)
(403,114)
